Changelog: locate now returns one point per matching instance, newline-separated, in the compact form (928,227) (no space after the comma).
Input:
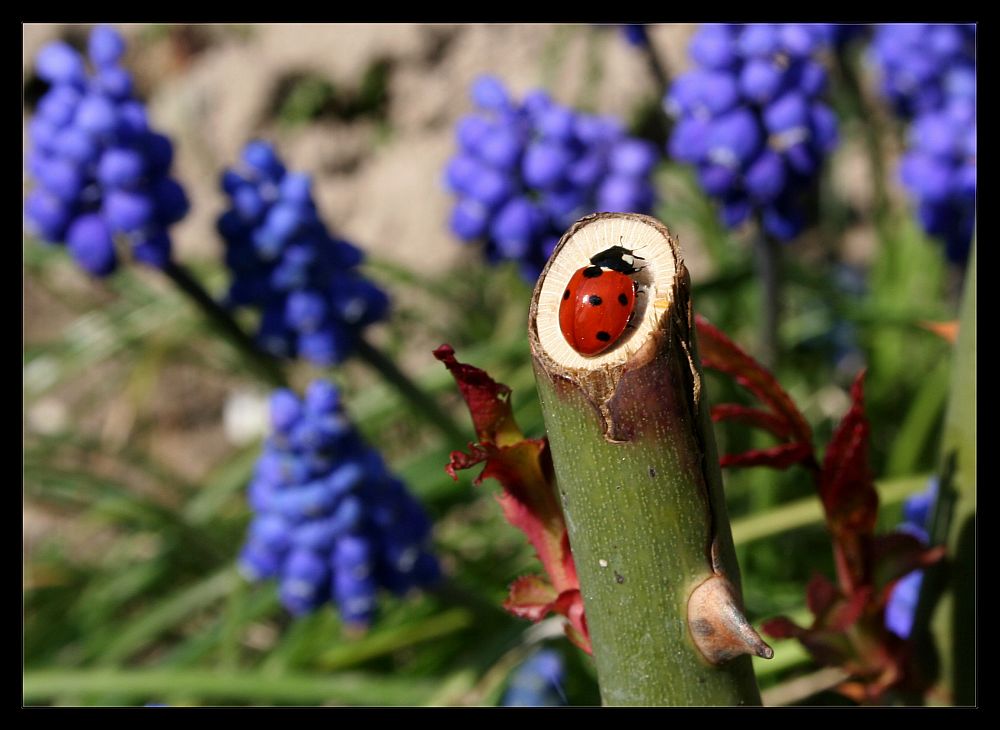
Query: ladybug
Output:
(599,301)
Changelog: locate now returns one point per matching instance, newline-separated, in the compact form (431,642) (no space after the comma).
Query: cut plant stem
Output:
(767,252)
(223,321)
(638,477)
(425,405)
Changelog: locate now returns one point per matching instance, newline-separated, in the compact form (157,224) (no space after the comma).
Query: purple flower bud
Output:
(127,210)
(106,46)
(76,146)
(712,46)
(115,83)
(170,199)
(59,63)
(488,92)
(734,138)
(633,157)
(89,241)
(766,177)
(303,585)
(501,148)
(623,194)
(929,179)
(96,114)
(761,80)
(153,249)
(759,40)
(285,410)
(545,164)
(259,156)
(61,178)
(47,215)
(120,167)
(469,219)
(305,310)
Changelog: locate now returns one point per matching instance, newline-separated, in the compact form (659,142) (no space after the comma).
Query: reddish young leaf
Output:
(776,457)
(751,417)
(720,353)
(781,418)
(531,597)
(894,556)
(488,400)
(846,487)
(523,467)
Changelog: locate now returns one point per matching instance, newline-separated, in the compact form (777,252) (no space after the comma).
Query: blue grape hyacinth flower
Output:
(920,65)
(537,682)
(101,173)
(525,171)
(312,299)
(902,603)
(751,118)
(928,73)
(331,523)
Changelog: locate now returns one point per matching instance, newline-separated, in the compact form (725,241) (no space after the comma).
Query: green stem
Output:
(767,253)
(871,123)
(223,321)
(657,68)
(424,405)
(638,475)
(247,687)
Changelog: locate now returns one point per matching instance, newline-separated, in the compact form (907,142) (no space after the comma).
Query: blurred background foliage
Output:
(142,426)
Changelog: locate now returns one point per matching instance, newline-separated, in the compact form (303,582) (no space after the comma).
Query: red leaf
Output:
(777,457)
(530,597)
(821,594)
(781,627)
(523,467)
(720,353)
(751,417)
(894,556)
(846,487)
(488,400)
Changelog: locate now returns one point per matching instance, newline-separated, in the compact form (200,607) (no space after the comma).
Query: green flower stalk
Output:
(638,477)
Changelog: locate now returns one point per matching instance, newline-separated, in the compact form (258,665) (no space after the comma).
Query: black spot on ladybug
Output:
(595,300)
(603,336)
(566,294)
(623,300)
(592,272)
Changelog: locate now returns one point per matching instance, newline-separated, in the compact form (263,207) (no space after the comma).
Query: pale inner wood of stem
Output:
(653,297)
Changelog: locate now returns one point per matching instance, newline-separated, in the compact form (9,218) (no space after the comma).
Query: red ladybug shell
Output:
(596,308)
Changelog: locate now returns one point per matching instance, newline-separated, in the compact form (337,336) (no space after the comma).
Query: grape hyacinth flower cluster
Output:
(526,171)
(101,174)
(331,522)
(537,682)
(750,117)
(929,74)
(313,301)
(902,604)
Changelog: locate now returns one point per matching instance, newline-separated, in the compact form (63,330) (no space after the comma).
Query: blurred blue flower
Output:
(524,172)
(636,34)
(101,174)
(750,118)
(284,262)
(902,604)
(331,523)
(537,682)
(928,73)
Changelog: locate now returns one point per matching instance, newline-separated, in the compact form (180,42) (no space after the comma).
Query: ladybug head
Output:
(617,258)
